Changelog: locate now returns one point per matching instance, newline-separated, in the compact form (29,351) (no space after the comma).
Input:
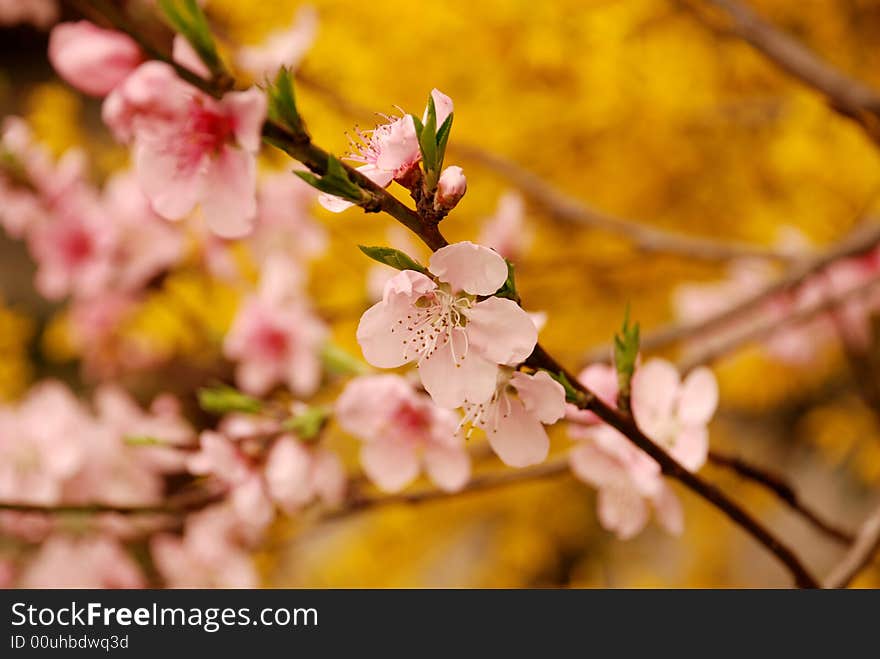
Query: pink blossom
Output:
(512,418)
(147,246)
(629,482)
(674,413)
(92,59)
(41,13)
(88,562)
(402,432)
(296,475)
(505,231)
(456,340)
(74,249)
(284,47)
(275,338)
(389,151)
(450,188)
(211,553)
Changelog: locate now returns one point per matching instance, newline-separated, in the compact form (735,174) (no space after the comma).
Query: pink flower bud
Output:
(92,59)
(450,188)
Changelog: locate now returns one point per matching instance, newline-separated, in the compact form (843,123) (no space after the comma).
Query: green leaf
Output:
(572,395)
(508,290)
(336,182)
(223,399)
(428,146)
(339,362)
(282,101)
(418,124)
(626,352)
(393,257)
(187,18)
(308,423)
(442,139)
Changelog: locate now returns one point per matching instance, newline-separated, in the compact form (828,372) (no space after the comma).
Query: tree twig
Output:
(862,552)
(781,489)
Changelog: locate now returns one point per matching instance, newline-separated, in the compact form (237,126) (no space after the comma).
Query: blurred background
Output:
(635,107)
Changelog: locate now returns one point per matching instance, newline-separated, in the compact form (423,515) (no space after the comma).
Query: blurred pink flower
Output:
(275,338)
(506,231)
(389,151)
(457,341)
(90,58)
(514,417)
(211,553)
(285,224)
(297,474)
(284,47)
(402,431)
(87,562)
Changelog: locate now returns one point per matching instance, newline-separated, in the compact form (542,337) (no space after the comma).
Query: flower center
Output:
(206,132)
(431,322)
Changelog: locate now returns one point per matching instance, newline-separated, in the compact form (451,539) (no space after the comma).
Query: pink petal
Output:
(390,464)
(333,203)
(248,109)
(622,511)
(229,202)
(517,438)
(655,389)
(469,267)
(699,397)
(185,55)
(173,191)
(400,146)
(668,510)
(287,474)
(594,466)
(382,347)
(501,331)
(691,447)
(454,377)
(442,105)
(256,377)
(542,396)
(601,379)
(449,468)
(329,477)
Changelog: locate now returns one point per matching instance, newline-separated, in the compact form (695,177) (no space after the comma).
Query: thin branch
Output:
(781,489)
(300,147)
(176,506)
(770,325)
(848,96)
(862,552)
(861,240)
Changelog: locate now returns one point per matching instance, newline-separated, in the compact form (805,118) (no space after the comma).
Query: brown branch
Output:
(846,95)
(859,241)
(300,147)
(771,325)
(781,489)
(177,505)
(862,552)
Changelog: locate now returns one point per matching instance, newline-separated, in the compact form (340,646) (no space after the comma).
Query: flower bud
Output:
(450,188)
(90,58)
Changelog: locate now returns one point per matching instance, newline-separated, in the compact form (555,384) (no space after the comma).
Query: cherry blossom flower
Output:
(628,480)
(211,553)
(456,340)
(512,418)
(284,47)
(402,432)
(275,338)
(87,562)
(90,58)
(41,13)
(296,475)
(505,231)
(389,151)
(191,149)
